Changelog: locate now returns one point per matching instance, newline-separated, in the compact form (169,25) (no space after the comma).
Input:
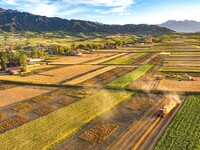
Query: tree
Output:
(23,62)
(3,58)
(34,54)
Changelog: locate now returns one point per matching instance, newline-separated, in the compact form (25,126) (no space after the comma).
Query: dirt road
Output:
(151,140)
(134,133)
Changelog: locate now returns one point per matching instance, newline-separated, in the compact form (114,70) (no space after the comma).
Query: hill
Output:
(182,26)
(15,21)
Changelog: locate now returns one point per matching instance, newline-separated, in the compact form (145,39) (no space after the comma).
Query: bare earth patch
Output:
(173,85)
(79,59)
(21,93)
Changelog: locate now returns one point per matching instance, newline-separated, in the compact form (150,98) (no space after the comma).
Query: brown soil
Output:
(184,86)
(21,93)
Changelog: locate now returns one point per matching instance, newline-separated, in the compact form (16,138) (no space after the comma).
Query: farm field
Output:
(125,59)
(90,75)
(186,69)
(102,60)
(185,124)
(56,76)
(56,121)
(10,96)
(107,77)
(79,59)
(175,85)
(128,78)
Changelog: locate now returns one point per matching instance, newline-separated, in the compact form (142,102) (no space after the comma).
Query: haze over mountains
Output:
(15,21)
(182,26)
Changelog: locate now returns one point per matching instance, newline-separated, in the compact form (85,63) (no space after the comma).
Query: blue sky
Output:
(111,11)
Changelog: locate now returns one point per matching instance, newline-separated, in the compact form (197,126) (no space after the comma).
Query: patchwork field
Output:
(107,77)
(85,102)
(62,123)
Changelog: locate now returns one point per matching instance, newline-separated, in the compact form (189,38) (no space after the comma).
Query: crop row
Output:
(13,122)
(23,107)
(46,110)
(98,133)
(66,100)
(183,132)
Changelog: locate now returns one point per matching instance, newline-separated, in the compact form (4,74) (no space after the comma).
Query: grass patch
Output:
(46,131)
(125,60)
(183,132)
(128,78)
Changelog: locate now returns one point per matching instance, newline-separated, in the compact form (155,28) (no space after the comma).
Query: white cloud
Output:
(9,2)
(64,8)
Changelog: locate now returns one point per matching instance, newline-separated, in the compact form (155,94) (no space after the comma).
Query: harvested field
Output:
(23,107)
(41,68)
(42,99)
(79,59)
(174,85)
(13,122)
(6,86)
(46,110)
(62,123)
(21,93)
(99,61)
(99,132)
(139,103)
(66,100)
(90,75)
(55,76)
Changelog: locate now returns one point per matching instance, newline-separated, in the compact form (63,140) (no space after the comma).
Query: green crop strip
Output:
(128,78)
(184,131)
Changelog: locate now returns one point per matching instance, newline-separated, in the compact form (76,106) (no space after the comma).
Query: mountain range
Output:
(182,26)
(15,21)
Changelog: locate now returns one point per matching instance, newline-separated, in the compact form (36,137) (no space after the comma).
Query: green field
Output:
(180,69)
(46,131)
(184,131)
(128,78)
(119,61)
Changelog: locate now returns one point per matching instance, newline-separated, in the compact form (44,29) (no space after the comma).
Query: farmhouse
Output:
(15,70)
